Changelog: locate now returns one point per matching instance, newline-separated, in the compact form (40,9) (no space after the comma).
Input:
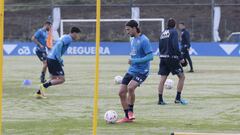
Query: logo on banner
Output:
(25,50)
(228,48)
(87,50)
(8,48)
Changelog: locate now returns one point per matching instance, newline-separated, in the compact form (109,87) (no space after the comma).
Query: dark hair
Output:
(133,23)
(75,30)
(48,22)
(171,23)
(182,23)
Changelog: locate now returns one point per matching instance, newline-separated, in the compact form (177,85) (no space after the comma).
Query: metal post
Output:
(52,6)
(212,17)
(131,3)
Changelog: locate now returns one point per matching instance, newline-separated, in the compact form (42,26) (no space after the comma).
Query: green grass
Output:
(212,91)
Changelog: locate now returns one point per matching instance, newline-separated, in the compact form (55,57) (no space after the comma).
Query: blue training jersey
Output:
(41,36)
(60,47)
(140,47)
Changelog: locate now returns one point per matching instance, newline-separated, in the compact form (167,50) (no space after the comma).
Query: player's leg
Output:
(55,80)
(163,79)
(131,97)
(42,57)
(123,97)
(189,61)
(180,85)
(136,81)
(57,76)
(178,70)
(131,92)
(181,79)
(44,69)
(164,72)
(57,73)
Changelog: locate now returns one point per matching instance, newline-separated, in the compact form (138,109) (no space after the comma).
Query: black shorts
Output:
(42,55)
(168,65)
(140,78)
(55,68)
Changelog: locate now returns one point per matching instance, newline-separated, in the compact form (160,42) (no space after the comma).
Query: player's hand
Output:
(41,46)
(129,62)
(182,61)
(61,62)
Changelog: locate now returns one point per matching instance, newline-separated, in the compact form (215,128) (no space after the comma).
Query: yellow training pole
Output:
(95,111)
(1,57)
(185,133)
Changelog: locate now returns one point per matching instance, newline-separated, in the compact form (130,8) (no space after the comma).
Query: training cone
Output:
(27,82)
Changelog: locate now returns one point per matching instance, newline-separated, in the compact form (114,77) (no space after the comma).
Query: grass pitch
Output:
(212,91)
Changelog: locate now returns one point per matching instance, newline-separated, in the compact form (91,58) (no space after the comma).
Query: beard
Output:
(131,35)
(47,29)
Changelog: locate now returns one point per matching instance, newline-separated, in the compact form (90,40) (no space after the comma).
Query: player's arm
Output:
(147,58)
(147,50)
(174,40)
(34,39)
(187,36)
(58,52)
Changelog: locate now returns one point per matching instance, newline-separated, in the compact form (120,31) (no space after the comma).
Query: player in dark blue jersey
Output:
(170,61)
(39,38)
(185,44)
(55,61)
(141,55)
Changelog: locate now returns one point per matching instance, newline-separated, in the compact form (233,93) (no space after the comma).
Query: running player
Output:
(39,38)
(141,55)
(55,62)
(170,59)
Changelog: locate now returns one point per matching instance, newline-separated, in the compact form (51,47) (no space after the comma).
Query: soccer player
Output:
(185,44)
(39,38)
(141,55)
(55,62)
(170,59)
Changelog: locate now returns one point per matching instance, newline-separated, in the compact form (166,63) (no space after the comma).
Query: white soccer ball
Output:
(118,79)
(169,84)
(111,116)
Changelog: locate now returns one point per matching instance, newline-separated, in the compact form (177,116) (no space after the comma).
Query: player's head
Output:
(75,33)
(171,23)
(181,25)
(47,25)
(132,28)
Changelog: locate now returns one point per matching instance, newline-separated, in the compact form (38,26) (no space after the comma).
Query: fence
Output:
(23,18)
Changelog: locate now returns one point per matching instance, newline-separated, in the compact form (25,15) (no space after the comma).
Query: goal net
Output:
(113,29)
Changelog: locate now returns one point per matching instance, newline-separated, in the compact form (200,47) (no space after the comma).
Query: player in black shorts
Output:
(141,55)
(170,59)
(55,61)
(39,38)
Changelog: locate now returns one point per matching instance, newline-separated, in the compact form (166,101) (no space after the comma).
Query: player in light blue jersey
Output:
(141,55)
(39,38)
(55,62)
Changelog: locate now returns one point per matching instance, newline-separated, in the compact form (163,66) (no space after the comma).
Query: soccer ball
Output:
(111,116)
(169,84)
(118,79)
